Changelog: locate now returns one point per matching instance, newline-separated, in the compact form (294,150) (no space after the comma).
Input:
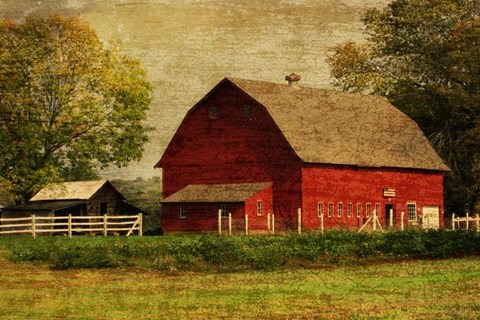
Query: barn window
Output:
(330,210)
(183,211)
(259,207)
(377,210)
(340,209)
(349,210)
(359,210)
(412,211)
(320,209)
(103,208)
(246,109)
(213,112)
(223,207)
(367,209)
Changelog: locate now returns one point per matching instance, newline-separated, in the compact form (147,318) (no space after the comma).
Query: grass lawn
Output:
(442,289)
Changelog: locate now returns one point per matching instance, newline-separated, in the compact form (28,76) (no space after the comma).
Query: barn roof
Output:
(216,193)
(76,190)
(333,127)
(45,205)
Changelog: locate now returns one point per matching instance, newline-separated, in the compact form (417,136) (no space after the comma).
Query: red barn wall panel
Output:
(329,184)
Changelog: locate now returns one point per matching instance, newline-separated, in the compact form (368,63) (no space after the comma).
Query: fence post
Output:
(478,223)
(104,225)
(70,226)
(33,226)
(467,222)
(299,221)
(140,224)
(321,222)
(246,224)
(273,223)
(268,222)
(229,223)
(402,214)
(374,220)
(220,222)
(453,221)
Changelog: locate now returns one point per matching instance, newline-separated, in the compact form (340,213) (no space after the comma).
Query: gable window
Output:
(259,207)
(213,112)
(223,207)
(320,209)
(359,210)
(330,210)
(367,210)
(412,211)
(183,211)
(246,109)
(349,210)
(103,208)
(340,209)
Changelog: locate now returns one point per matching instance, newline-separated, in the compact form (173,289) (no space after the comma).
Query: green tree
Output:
(424,56)
(69,104)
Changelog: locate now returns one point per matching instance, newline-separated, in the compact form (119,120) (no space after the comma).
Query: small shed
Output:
(85,198)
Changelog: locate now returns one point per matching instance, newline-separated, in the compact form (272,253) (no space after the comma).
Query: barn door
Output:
(431,217)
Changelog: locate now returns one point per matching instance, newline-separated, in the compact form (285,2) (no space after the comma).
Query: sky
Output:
(188,46)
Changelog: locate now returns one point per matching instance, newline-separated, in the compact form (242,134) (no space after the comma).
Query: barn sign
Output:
(389,193)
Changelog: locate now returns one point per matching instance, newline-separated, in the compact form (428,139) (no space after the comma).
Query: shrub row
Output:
(209,252)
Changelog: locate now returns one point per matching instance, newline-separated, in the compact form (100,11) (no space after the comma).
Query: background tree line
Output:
(424,56)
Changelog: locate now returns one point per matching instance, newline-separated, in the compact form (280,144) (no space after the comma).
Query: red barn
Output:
(251,148)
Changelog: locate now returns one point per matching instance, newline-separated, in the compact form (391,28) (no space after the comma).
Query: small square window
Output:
(213,112)
(412,211)
(183,211)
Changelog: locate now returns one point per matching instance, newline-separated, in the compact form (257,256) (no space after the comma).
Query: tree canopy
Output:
(69,104)
(424,56)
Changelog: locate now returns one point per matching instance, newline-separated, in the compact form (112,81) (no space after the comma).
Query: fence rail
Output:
(468,221)
(105,224)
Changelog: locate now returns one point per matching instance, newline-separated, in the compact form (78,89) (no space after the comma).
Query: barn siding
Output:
(235,147)
(341,184)
(105,194)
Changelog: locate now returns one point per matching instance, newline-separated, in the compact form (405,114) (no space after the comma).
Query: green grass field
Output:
(440,289)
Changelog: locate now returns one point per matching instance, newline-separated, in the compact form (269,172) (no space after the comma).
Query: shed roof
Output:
(333,127)
(45,205)
(216,193)
(76,190)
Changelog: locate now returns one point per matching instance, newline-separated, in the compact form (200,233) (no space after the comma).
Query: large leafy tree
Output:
(69,104)
(424,56)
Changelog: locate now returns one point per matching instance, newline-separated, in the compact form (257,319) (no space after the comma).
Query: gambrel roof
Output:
(211,193)
(333,127)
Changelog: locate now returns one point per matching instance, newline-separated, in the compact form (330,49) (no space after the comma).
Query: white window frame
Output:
(359,210)
(183,211)
(339,209)
(259,207)
(368,208)
(409,206)
(224,209)
(330,209)
(320,209)
(349,210)
(377,209)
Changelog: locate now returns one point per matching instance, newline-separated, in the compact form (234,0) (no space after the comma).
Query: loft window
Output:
(320,209)
(340,209)
(223,207)
(259,207)
(349,210)
(359,210)
(183,211)
(330,209)
(213,112)
(103,208)
(412,211)
(246,109)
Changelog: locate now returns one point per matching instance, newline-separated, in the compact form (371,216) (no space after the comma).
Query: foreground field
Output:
(441,289)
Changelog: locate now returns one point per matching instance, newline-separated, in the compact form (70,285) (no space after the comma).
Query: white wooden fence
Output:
(467,221)
(68,225)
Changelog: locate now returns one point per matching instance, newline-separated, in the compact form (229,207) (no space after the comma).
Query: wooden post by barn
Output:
(33,227)
(140,224)
(466,220)
(268,222)
(321,222)
(374,214)
(220,222)
(104,225)
(390,219)
(69,225)
(478,223)
(229,223)
(453,221)
(402,214)
(299,223)
(246,224)
(273,223)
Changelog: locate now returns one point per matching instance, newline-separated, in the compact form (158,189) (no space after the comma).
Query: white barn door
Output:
(431,217)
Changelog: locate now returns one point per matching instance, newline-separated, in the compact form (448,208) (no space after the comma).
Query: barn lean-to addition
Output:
(251,147)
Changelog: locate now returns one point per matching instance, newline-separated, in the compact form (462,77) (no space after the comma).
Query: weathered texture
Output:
(314,146)
(81,190)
